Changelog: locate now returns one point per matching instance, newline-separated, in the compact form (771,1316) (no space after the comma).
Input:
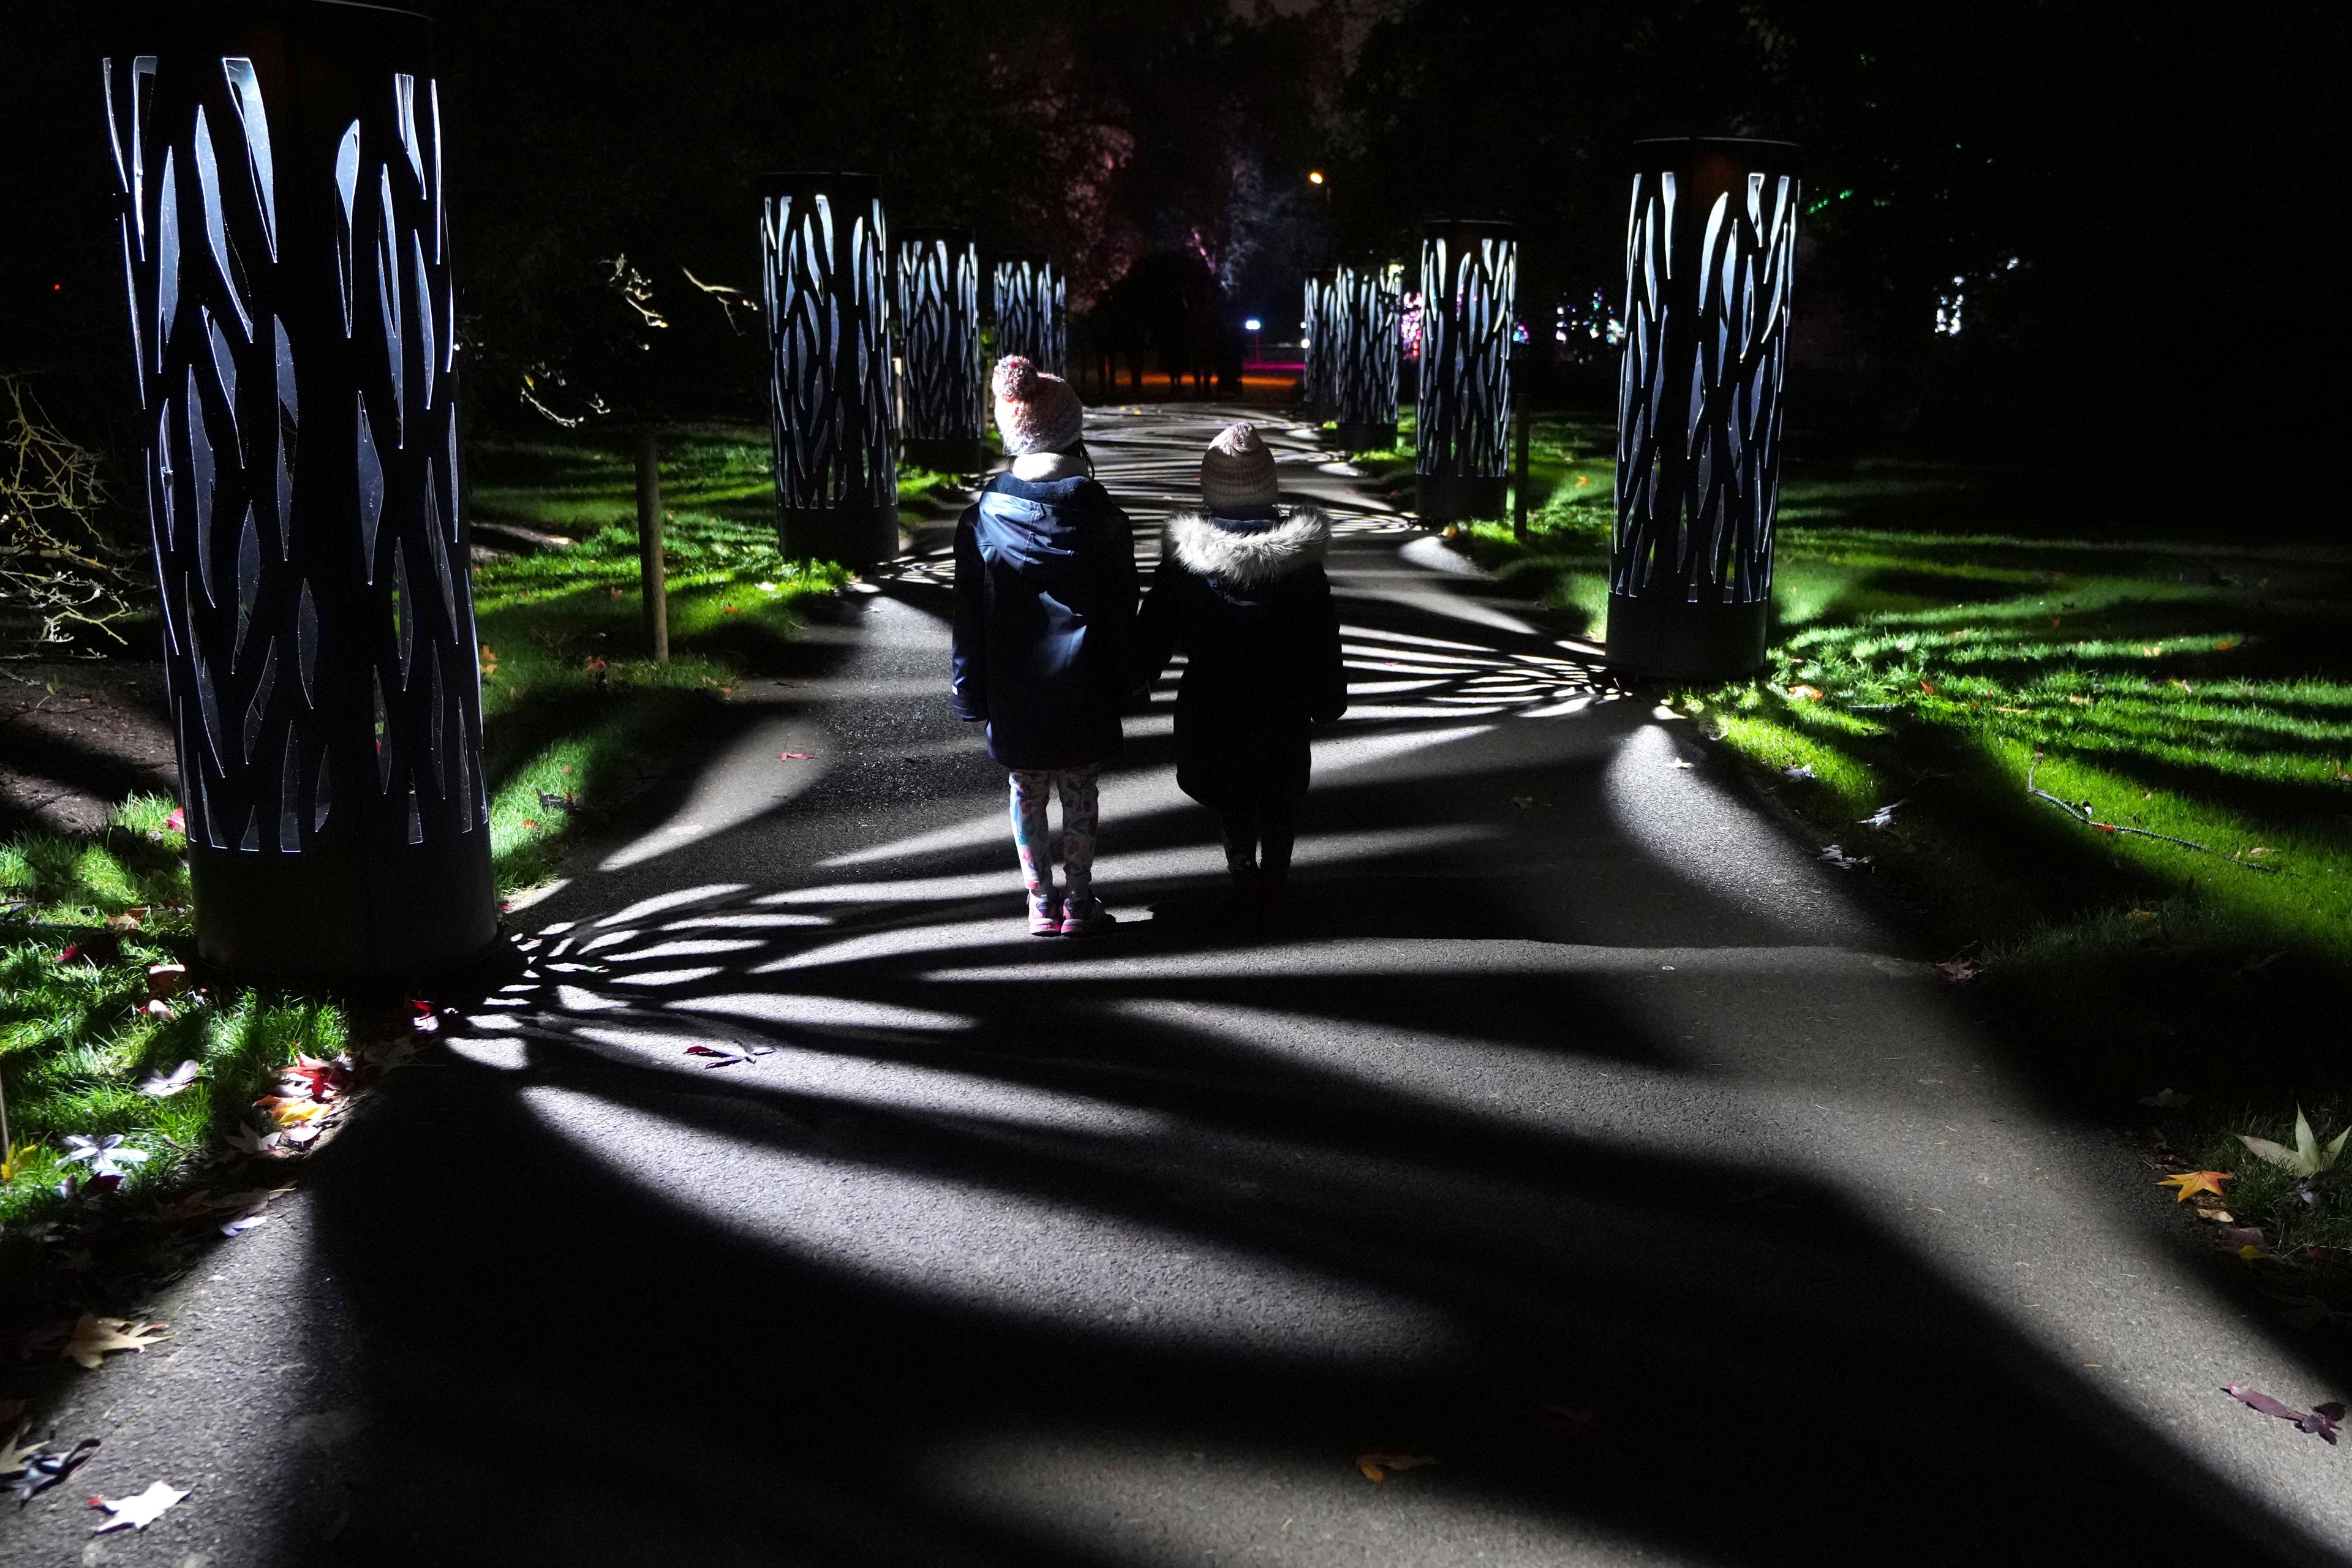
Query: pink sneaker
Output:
(1084,917)
(1045,915)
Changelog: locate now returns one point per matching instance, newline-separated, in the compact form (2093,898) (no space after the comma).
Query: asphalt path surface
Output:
(1583,1157)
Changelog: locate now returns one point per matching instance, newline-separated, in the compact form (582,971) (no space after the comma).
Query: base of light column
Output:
(1451,498)
(338,915)
(853,535)
(1663,638)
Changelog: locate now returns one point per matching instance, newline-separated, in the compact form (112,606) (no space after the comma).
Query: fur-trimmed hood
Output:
(1251,557)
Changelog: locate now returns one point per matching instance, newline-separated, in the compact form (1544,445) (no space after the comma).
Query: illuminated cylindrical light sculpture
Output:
(1315,327)
(1710,261)
(1469,285)
(832,397)
(286,245)
(1032,311)
(938,296)
(1366,341)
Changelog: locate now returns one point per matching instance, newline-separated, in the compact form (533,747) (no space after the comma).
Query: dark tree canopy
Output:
(2156,174)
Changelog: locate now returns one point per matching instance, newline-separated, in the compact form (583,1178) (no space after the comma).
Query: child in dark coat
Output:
(1241,592)
(1044,612)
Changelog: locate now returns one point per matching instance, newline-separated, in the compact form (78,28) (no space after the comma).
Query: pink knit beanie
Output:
(1035,412)
(1237,470)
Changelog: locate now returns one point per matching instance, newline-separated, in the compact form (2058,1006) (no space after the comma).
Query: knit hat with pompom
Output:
(1237,470)
(1035,412)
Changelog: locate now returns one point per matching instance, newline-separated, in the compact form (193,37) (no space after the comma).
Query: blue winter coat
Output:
(1245,601)
(1044,615)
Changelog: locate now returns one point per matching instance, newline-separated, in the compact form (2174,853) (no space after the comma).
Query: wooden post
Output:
(1519,472)
(654,589)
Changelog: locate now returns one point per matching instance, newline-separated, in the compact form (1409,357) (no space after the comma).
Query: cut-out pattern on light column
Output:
(1032,312)
(1367,337)
(830,392)
(302,454)
(1710,263)
(1316,326)
(1469,285)
(938,320)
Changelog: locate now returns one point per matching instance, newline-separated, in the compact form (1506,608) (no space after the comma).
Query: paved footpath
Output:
(1583,1147)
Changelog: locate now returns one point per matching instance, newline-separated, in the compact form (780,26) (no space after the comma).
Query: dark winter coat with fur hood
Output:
(1245,601)
(1044,606)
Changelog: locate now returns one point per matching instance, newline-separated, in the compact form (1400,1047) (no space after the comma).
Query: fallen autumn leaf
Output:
(2320,1422)
(162,1086)
(2191,1183)
(138,1512)
(94,1338)
(44,1469)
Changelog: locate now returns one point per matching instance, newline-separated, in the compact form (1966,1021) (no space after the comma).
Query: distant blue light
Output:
(1252,324)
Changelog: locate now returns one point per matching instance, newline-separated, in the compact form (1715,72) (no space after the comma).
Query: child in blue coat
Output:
(1241,592)
(1045,610)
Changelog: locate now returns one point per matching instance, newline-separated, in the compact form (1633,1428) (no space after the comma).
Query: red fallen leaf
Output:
(1377,1466)
(72,951)
(729,610)
(2320,1422)
(726,1057)
(318,1078)
(177,822)
(2223,646)
(794,756)
(527,822)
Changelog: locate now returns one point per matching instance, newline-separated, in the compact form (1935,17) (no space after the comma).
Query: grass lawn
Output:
(1931,656)
(578,719)
(573,703)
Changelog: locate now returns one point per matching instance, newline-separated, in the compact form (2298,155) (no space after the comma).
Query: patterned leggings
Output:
(1032,790)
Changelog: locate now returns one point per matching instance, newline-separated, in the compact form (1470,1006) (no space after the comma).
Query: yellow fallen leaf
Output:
(94,1337)
(1806,693)
(2191,1183)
